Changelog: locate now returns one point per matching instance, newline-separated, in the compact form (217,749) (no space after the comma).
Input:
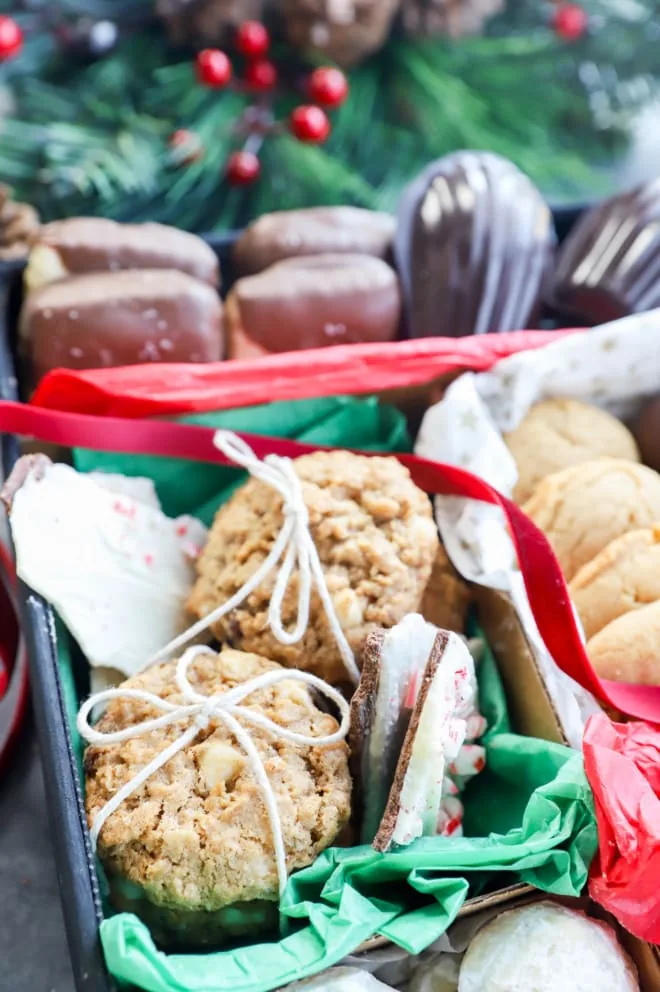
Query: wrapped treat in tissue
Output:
(116,569)
(614,367)
(339,980)
(411,715)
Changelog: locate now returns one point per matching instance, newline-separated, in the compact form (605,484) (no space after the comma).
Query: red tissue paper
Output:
(622,763)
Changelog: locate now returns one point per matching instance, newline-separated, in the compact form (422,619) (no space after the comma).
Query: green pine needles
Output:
(79,138)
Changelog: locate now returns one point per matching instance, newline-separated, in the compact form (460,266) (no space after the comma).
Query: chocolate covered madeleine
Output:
(313,302)
(80,245)
(107,319)
(609,265)
(473,247)
(314,231)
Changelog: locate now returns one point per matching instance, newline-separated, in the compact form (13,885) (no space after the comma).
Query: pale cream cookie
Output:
(585,507)
(628,649)
(558,433)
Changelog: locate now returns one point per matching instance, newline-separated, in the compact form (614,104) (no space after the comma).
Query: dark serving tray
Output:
(79,888)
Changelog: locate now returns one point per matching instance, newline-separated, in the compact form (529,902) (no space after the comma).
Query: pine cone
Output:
(451,18)
(206,22)
(19,226)
(345,31)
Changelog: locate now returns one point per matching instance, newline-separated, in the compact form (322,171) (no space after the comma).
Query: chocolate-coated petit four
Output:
(316,231)
(108,319)
(93,244)
(473,247)
(609,265)
(311,303)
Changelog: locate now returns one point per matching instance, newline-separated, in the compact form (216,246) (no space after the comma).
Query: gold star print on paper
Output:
(469,421)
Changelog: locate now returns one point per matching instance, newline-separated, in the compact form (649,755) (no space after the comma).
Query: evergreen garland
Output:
(94,138)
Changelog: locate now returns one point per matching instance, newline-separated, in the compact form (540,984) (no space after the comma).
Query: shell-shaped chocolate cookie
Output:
(474,247)
(609,265)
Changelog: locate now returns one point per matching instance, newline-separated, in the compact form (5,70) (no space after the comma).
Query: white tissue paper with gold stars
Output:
(102,552)
(615,366)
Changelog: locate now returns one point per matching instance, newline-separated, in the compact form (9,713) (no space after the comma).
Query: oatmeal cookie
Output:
(191,851)
(628,649)
(583,508)
(558,433)
(623,577)
(376,539)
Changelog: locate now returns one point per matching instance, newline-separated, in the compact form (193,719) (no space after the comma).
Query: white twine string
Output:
(198,710)
(294,542)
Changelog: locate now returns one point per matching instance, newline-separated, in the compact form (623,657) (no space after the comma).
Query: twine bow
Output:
(198,710)
(295,546)
(294,542)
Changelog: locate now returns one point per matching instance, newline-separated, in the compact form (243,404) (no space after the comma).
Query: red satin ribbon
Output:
(544,581)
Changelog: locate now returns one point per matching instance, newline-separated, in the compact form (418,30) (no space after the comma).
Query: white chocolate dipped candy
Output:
(545,947)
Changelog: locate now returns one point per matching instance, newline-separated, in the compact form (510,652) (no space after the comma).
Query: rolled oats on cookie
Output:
(376,540)
(583,508)
(625,576)
(558,433)
(191,850)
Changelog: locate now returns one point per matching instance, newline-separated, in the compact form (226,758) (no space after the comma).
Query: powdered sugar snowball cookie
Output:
(557,433)
(376,540)
(625,576)
(191,850)
(545,947)
(585,507)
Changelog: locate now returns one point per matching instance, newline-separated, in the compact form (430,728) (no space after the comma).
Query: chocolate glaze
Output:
(609,265)
(473,247)
(94,244)
(314,302)
(316,231)
(108,319)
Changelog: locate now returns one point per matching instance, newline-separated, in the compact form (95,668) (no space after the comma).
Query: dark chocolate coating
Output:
(609,265)
(473,247)
(94,244)
(317,301)
(646,431)
(316,231)
(108,319)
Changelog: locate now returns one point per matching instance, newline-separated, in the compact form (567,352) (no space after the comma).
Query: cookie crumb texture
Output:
(191,851)
(583,508)
(376,539)
(558,433)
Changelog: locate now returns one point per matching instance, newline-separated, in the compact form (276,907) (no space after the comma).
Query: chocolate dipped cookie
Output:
(108,319)
(473,247)
(313,231)
(80,245)
(313,302)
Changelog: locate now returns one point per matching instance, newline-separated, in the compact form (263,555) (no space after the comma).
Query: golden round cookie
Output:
(447,596)
(628,649)
(624,576)
(376,540)
(583,508)
(558,433)
(191,851)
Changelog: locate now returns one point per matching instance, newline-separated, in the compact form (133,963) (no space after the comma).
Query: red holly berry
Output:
(328,87)
(243,168)
(570,21)
(261,75)
(213,68)
(310,123)
(11,38)
(187,144)
(252,39)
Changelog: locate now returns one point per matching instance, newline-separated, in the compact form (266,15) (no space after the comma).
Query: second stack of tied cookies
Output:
(582,481)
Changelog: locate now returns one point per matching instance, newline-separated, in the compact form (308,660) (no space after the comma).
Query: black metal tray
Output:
(79,888)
